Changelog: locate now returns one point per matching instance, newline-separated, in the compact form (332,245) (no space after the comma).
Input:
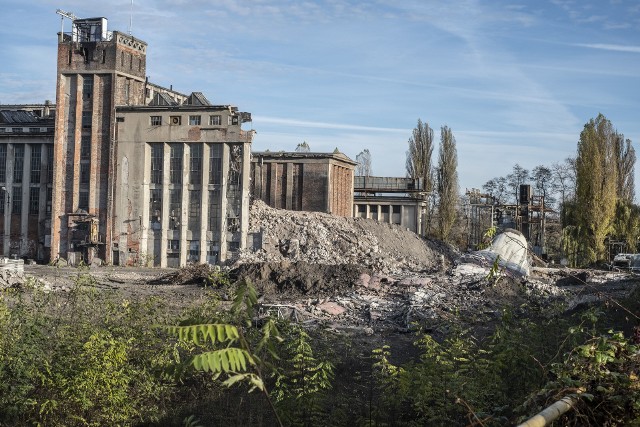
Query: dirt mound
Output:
(319,238)
(290,280)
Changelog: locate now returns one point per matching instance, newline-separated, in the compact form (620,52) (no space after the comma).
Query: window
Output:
(176,120)
(173,245)
(215,164)
(215,120)
(175,163)
(194,210)
(86,119)
(195,164)
(87,86)
(85,147)
(156,120)
(214,212)
(16,200)
(232,120)
(194,120)
(194,250)
(36,161)
(34,200)
(157,160)
(84,173)
(3,163)
(18,163)
(34,130)
(16,130)
(50,163)
(83,200)
(155,208)
(3,195)
(175,209)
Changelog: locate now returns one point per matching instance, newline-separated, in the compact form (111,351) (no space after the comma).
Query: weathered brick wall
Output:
(315,187)
(341,190)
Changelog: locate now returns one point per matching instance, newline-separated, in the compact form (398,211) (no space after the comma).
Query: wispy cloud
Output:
(325,125)
(613,47)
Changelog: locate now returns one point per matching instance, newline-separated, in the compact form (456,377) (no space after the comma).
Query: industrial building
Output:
(302,181)
(391,200)
(144,175)
(26,179)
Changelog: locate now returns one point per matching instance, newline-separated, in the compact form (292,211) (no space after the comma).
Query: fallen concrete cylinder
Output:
(550,413)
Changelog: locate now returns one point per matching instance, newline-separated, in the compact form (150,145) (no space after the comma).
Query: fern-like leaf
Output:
(200,334)
(227,360)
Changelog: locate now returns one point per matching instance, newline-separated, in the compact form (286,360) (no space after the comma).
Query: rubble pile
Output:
(319,238)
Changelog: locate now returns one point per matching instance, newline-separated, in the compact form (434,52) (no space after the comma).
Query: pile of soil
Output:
(286,280)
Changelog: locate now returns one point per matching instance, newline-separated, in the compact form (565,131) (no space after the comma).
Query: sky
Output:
(515,80)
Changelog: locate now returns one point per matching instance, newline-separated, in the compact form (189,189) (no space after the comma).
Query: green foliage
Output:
(487,237)
(447,183)
(301,382)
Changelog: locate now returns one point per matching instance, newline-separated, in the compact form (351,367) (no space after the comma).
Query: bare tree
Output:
(497,188)
(542,178)
(303,147)
(564,179)
(518,177)
(447,182)
(363,168)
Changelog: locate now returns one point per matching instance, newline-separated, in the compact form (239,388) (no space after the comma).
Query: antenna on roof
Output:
(68,15)
(130,17)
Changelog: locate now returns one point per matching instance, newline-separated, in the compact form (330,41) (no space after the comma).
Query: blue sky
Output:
(515,80)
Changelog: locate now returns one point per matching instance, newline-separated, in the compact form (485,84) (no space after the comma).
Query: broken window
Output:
(87,85)
(157,160)
(195,164)
(86,119)
(234,196)
(215,120)
(16,200)
(215,164)
(83,200)
(155,209)
(194,120)
(194,250)
(175,208)
(173,245)
(175,163)
(156,120)
(84,173)
(50,164)
(49,200)
(194,210)
(213,251)
(214,212)
(18,163)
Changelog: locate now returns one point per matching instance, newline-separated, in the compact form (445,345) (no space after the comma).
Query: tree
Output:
(419,155)
(303,147)
(497,188)
(518,177)
(564,178)
(447,182)
(542,178)
(626,159)
(596,184)
(364,163)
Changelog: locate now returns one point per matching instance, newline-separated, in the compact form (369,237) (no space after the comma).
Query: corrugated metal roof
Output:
(20,116)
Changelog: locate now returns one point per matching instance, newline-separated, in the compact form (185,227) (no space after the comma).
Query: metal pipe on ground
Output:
(551,413)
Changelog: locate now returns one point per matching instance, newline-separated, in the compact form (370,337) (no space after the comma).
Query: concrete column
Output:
(165,206)
(24,211)
(246,196)
(184,214)
(8,191)
(289,195)
(223,202)
(42,208)
(146,195)
(204,202)
(367,212)
(402,221)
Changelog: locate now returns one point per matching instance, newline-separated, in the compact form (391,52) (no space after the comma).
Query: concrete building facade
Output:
(26,180)
(391,200)
(124,145)
(320,182)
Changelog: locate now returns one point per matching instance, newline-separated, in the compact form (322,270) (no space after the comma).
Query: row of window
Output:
(26,130)
(194,120)
(18,163)
(176,154)
(16,200)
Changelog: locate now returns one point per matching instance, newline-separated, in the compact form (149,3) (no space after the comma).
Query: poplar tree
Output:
(419,155)
(447,182)
(596,185)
